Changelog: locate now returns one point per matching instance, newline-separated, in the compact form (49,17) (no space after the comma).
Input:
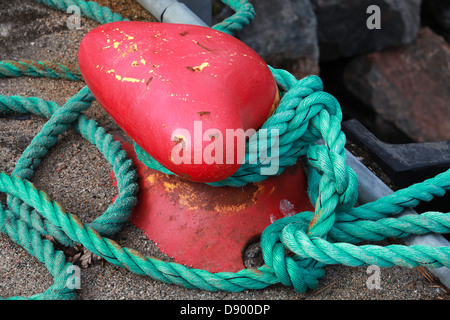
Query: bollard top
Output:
(180,92)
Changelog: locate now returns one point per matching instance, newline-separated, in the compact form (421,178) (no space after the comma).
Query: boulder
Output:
(343,30)
(284,34)
(440,12)
(436,14)
(407,85)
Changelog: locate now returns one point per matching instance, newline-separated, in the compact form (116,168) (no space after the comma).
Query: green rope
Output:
(12,68)
(88,9)
(305,115)
(31,240)
(243,16)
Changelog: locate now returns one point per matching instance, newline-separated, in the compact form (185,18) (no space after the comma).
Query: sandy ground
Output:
(75,174)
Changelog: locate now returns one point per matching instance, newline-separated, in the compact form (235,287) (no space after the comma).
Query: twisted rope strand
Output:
(89,9)
(326,252)
(13,68)
(43,250)
(244,14)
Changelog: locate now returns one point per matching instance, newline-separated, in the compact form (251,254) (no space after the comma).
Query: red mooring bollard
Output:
(176,91)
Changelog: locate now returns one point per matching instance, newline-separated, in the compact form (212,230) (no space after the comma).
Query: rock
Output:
(407,85)
(284,34)
(440,11)
(343,30)
(436,15)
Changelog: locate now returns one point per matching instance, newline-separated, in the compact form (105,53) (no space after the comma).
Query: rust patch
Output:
(202,46)
(258,192)
(169,187)
(315,217)
(273,189)
(185,176)
(227,208)
(178,139)
(199,196)
(183,33)
(204,113)
(148,82)
(198,68)
(151,179)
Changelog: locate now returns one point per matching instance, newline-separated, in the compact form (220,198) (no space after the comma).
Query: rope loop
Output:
(243,16)
(302,274)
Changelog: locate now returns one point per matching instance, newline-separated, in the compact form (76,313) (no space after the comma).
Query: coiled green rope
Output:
(315,239)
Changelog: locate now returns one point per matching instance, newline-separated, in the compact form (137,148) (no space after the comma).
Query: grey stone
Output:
(407,85)
(284,34)
(440,11)
(343,31)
